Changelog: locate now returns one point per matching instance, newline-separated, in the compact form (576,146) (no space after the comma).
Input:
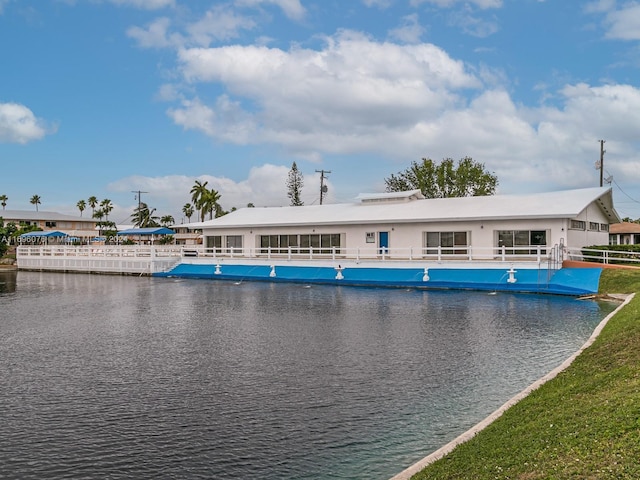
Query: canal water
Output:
(136,377)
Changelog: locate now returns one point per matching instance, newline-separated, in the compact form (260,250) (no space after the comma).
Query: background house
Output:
(52,221)
(624,233)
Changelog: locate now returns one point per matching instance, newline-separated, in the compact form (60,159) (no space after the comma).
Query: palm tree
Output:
(98,215)
(143,217)
(35,200)
(82,205)
(167,220)
(188,211)
(210,204)
(93,203)
(106,207)
(3,200)
(199,193)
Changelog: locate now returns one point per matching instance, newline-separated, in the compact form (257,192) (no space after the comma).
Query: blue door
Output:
(383,242)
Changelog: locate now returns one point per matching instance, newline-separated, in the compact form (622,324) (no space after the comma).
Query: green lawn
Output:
(583,424)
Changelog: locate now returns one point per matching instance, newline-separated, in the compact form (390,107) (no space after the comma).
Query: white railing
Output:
(100,251)
(533,253)
(604,256)
(129,259)
(146,259)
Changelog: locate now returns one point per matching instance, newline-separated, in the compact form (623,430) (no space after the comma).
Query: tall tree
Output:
(82,206)
(199,193)
(466,179)
(93,203)
(211,205)
(35,200)
(106,207)
(295,182)
(3,200)
(187,209)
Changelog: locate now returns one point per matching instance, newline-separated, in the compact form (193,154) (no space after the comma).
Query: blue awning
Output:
(147,231)
(55,233)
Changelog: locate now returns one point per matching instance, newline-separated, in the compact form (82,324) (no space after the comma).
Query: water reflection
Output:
(122,377)
(8,280)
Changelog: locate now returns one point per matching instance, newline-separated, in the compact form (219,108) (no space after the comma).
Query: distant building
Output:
(187,236)
(52,221)
(624,233)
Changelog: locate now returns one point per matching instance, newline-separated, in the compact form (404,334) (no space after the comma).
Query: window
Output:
(234,242)
(215,243)
(510,239)
(50,224)
(278,243)
(371,237)
(604,227)
(594,226)
(578,225)
(320,243)
(448,241)
(323,243)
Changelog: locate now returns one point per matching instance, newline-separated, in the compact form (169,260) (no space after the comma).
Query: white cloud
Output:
(624,24)
(377,3)
(410,31)
(338,99)
(219,23)
(225,121)
(145,4)
(3,3)
(18,124)
(291,8)
(474,25)
(599,6)
(154,36)
(484,4)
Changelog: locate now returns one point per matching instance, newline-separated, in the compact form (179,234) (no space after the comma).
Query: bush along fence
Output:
(611,254)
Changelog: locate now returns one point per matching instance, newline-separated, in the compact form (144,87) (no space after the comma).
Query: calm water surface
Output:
(128,377)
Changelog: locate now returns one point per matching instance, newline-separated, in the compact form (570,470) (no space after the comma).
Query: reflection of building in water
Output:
(8,280)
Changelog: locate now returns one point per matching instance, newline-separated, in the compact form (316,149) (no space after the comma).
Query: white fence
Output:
(148,259)
(123,259)
(618,257)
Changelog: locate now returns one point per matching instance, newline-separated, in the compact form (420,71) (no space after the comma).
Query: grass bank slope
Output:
(583,424)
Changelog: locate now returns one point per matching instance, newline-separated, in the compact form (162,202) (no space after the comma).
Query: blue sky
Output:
(106,97)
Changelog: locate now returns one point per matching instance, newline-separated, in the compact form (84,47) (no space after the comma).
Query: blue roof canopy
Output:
(147,231)
(55,233)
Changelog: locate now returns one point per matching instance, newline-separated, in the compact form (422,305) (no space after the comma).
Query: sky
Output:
(110,97)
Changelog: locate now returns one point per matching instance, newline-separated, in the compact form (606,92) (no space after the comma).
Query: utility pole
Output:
(601,163)
(323,187)
(139,197)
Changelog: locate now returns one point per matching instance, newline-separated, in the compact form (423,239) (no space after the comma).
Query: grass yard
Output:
(583,424)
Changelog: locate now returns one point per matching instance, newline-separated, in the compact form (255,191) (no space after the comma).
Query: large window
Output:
(319,243)
(522,238)
(449,242)
(278,243)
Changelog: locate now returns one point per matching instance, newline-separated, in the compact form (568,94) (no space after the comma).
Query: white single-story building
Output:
(407,225)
